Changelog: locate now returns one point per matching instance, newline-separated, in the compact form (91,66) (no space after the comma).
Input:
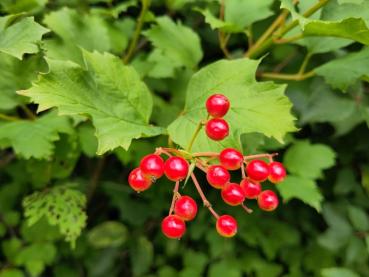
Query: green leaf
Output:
(61,206)
(303,189)
(86,31)
(178,42)
(253,104)
(234,12)
(142,256)
(11,272)
(358,218)
(36,256)
(19,6)
(224,268)
(16,75)
(216,23)
(20,37)
(108,234)
(308,160)
(34,138)
(338,272)
(336,74)
(111,93)
(87,139)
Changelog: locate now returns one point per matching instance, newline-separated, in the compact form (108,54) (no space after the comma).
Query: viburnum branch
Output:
(258,156)
(255,52)
(132,46)
(176,195)
(203,197)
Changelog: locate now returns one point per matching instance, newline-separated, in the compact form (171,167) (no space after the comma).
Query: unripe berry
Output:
(268,200)
(226,226)
(217,176)
(139,181)
(233,194)
(250,188)
(217,129)
(186,208)
(257,170)
(217,105)
(176,168)
(231,159)
(152,165)
(173,227)
(277,172)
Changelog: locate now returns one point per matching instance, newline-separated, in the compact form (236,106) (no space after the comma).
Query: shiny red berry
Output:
(217,105)
(268,200)
(185,207)
(173,227)
(233,194)
(152,165)
(176,168)
(277,172)
(231,159)
(217,176)
(217,129)
(226,226)
(139,181)
(250,188)
(257,170)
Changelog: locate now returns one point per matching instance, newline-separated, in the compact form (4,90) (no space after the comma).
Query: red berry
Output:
(217,176)
(186,208)
(231,159)
(257,170)
(217,129)
(251,189)
(233,194)
(173,227)
(226,226)
(152,165)
(176,168)
(277,172)
(268,200)
(217,105)
(139,181)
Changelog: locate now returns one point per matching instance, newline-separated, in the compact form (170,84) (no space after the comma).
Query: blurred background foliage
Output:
(66,211)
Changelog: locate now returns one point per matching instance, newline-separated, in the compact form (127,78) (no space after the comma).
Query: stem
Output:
(205,154)
(175,197)
(287,40)
(223,40)
(203,197)
(136,34)
(247,209)
(279,20)
(161,150)
(256,51)
(288,77)
(28,112)
(243,172)
(194,136)
(304,64)
(8,117)
(257,156)
(95,178)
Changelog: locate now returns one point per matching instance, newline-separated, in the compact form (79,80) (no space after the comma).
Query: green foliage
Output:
(88,87)
(20,37)
(61,206)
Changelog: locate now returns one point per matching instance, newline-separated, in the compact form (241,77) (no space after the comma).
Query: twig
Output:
(176,195)
(95,178)
(258,156)
(203,197)
(136,34)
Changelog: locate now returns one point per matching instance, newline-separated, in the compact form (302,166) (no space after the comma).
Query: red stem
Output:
(205,154)
(269,156)
(203,197)
(247,209)
(175,197)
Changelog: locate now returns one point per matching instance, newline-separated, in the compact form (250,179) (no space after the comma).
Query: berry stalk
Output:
(175,197)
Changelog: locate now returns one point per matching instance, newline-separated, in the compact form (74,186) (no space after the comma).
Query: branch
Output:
(136,34)
(176,195)
(203,197)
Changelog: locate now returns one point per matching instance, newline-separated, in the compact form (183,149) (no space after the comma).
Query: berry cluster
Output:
(217,167)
